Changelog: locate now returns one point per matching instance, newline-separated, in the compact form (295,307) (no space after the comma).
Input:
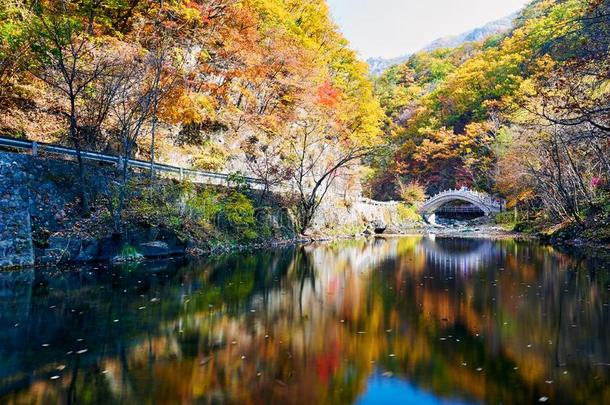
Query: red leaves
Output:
(597,182)
(204,11)
(328,95)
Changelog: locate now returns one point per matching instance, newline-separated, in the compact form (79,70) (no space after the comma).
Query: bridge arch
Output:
(487,204)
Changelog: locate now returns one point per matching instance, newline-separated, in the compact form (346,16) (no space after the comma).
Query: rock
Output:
(380,230)
(154,249)
(378,226)
(174,244)
(109,247)
(89,252)
(64,249)
(51,256)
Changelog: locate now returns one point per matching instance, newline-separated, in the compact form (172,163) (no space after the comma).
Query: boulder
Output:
(378,226)
(109,247)
(154,249)
(89,252)
(64,249)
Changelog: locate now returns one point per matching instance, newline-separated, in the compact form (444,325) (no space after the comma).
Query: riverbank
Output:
(44,222)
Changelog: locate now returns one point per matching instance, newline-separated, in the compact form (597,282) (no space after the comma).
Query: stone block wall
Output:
(15,227)
(340,216)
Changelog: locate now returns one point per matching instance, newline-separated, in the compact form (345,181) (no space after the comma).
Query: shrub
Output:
(408,213)
(238,211)
(213,157)
(412,193)
(506,219)
(128,254)
(204,206)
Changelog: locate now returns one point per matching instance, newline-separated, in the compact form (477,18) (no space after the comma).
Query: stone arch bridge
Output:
(484,202)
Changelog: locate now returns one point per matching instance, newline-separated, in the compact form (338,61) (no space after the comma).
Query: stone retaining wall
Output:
(15,228)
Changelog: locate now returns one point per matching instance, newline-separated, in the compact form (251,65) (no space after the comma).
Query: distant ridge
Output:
(379,65)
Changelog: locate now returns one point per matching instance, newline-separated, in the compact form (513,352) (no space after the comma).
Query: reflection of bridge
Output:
(458,255)
(487,204)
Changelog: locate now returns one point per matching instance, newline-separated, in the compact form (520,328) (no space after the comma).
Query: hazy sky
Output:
(391,28)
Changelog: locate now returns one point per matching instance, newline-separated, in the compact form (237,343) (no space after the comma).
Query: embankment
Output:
(41,221)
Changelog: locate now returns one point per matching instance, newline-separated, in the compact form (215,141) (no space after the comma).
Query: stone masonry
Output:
(15,228)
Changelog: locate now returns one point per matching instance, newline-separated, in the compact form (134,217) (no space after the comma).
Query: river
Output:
(416,320)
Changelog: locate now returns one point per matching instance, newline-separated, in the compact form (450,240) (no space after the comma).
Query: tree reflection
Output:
(474,320)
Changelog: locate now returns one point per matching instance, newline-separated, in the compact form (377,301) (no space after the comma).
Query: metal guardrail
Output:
(378,203)
(196,176)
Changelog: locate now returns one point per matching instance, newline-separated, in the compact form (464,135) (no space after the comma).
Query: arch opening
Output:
(456,211)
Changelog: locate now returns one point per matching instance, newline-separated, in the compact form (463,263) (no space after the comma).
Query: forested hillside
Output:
(525,115)
(208,79)
(266,88)
(379,65)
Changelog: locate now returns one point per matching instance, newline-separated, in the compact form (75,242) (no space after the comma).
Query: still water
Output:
(412,320)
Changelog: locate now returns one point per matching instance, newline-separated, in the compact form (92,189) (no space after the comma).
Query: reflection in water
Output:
(412,320)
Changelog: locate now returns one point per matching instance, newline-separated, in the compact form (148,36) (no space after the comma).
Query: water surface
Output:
(404,320)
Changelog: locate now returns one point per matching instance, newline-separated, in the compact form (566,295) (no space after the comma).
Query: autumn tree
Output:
(69,61)
(136,94)
(14,45)
(318,153)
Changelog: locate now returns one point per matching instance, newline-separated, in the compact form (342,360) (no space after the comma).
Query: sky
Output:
(390,28)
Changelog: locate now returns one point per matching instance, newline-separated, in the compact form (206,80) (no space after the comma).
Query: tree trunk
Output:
(81,167)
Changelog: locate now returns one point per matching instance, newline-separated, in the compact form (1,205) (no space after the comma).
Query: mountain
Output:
(378,65)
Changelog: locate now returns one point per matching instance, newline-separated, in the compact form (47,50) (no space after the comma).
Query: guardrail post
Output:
(119,163)
(34,148)
(181,174)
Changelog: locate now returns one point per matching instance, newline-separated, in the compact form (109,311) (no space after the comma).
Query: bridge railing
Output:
(196,176)
(483,198)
